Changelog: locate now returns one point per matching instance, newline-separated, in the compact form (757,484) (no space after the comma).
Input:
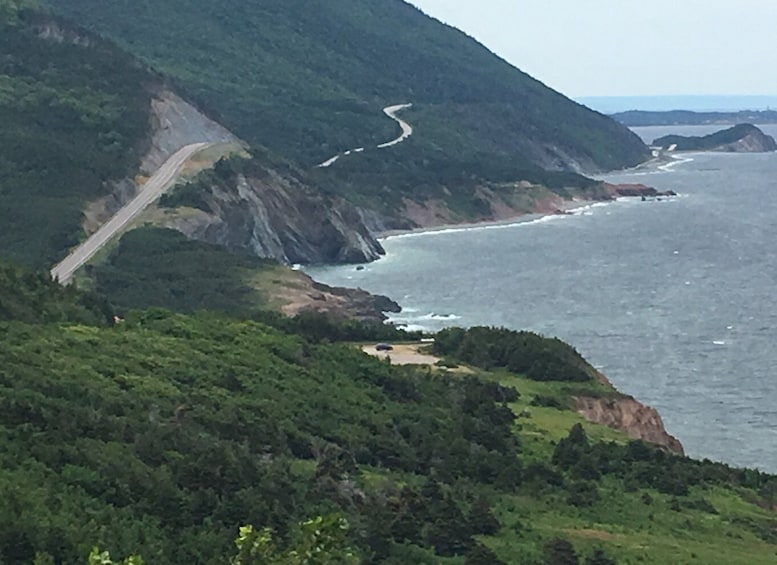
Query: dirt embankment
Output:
(631,417)
(402,354)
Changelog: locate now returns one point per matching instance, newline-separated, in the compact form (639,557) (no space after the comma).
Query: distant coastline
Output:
(641,118)
(694,103)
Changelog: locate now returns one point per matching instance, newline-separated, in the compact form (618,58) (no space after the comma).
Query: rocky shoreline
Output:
(553,206)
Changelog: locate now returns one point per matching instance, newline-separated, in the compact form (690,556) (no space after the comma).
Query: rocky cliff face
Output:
(294,292)
(630,416)
(277,216)
(177,123)
(754,142)
(636,190)
(174,124)
(270,215)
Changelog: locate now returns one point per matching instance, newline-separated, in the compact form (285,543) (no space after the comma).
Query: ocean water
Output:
(675,300)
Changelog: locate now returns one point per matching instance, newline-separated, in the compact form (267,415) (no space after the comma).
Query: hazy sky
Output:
(628,47)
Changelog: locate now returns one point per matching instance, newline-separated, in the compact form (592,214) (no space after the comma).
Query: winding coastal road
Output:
(161,180)
(407,129)
(391,112)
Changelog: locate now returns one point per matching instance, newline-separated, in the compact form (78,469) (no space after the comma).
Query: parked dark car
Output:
(383,347)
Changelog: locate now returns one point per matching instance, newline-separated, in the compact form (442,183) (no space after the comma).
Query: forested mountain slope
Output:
(308,79)
(75,113)
(84,124)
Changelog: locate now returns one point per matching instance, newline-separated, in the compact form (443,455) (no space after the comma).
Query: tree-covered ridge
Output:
(717,140)
(638,118)
(75,115)
(540,358)
(309,79)
(34,298)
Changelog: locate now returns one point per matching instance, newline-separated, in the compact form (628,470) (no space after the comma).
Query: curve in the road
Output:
(407,129)
(391,112)
(159,182)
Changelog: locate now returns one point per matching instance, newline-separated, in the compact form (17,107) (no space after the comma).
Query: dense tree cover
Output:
(320,328)
(154,267)
(34,298)
(714,140)
(165,432)
(540,358)
(74,115)
(308,80)
(161,435)
(638,464)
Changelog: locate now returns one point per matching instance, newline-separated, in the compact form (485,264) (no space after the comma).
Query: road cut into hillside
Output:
(157,185)
(391,112)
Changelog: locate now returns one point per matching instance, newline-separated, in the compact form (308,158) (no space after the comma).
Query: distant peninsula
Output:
(637,118)
(742,138)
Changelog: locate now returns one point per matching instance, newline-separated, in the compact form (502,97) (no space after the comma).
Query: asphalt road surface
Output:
(151,191)
(391,112)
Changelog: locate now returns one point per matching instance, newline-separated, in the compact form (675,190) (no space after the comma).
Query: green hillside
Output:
(308,79)
(74,114)
(718,139)
(160,435)
(34,298)
(154,267)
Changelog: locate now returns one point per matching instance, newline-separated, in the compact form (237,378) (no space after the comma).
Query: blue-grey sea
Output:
(675,300)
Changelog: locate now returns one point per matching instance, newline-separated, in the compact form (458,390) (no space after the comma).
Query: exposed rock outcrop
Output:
(501,202)
(637,190)
(630,416)
(51,30)
(174,124)
(177,123)
(742,138)
(295,292)
(279,217)
(755,142)
(271,215)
